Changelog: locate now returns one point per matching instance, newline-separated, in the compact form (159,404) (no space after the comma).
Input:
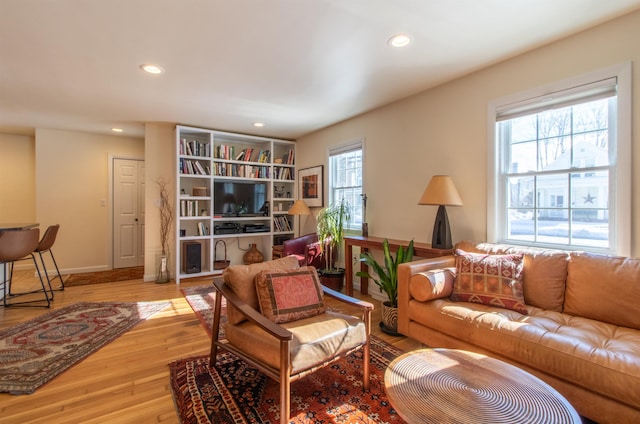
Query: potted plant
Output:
(331,222)
(166,218)
(386,278)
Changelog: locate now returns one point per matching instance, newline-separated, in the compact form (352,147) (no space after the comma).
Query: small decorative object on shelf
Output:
(365,226)
(253,255)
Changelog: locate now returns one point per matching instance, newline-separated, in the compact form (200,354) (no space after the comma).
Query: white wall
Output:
(72,189)
(444,131)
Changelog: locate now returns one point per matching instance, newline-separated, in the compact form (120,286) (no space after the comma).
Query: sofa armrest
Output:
(429,280)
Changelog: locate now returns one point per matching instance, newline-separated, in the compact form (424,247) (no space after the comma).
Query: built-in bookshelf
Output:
(232,188)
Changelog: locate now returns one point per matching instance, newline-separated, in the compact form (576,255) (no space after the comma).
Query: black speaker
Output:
(191,255)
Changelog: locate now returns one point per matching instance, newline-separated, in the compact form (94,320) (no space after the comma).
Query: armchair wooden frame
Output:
(283,375)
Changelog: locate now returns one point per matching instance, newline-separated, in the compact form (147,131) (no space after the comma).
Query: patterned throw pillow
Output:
(289,295)
(494,280)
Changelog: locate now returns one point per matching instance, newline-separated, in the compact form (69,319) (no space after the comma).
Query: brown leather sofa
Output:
(581,334)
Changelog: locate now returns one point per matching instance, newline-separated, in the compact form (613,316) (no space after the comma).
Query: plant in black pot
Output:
(331,222)
(386,278)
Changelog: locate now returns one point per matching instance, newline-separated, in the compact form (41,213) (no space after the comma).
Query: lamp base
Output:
(441,231)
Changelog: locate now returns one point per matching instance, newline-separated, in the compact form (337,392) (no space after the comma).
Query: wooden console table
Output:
(422,250)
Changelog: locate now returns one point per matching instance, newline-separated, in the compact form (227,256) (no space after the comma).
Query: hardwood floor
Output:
(126,381)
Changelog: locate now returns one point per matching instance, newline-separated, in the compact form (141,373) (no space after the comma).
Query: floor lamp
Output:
(442,192)
(299,208)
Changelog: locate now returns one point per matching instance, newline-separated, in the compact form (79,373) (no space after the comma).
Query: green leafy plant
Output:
(330,229)
(386,278)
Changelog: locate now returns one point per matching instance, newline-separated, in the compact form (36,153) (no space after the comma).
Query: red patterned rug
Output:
(35,351)
(235,392)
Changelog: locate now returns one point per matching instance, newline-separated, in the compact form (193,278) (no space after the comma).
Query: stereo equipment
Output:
(227,228)
(191,262)
(255,228)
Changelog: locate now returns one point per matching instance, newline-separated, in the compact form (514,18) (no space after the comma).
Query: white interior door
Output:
(128,213)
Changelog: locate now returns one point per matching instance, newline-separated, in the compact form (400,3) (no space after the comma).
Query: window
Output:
(561,166)
(345,179)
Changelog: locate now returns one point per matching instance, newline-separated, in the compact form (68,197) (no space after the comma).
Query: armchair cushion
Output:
(288,295)
(315,340)
(241,279)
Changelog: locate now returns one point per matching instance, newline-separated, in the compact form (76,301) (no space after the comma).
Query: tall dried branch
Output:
(166,214)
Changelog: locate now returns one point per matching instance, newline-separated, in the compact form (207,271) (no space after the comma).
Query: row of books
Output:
(193,167)
(249,154)
(241,171)
(281,223)
(194,148)
(190,207)
(202,229)
(289,157)
(281,173)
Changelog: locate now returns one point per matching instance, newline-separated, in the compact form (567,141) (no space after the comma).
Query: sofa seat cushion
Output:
(315,339)
(598,356)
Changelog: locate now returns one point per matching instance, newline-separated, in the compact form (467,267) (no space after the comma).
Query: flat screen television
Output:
(240,198)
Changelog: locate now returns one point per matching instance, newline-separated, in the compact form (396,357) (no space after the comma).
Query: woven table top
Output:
(455,386)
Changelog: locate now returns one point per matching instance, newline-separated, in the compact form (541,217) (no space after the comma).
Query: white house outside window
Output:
(345,179)
(562,165)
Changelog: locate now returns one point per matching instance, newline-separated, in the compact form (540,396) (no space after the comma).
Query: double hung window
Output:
(561,166)
(345,179)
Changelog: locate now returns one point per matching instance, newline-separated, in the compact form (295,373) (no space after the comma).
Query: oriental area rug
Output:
(35,351)
(235,392)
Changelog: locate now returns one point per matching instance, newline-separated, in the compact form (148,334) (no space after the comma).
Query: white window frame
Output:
(347,147)
(619,180)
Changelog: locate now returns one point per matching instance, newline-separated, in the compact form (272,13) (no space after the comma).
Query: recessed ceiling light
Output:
(152,69)
(399,40)
(118,130)
(258,124)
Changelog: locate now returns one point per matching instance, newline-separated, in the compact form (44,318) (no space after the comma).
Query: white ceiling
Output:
(296,65)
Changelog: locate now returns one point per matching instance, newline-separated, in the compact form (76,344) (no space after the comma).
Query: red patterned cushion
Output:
(289,295)
(494,280)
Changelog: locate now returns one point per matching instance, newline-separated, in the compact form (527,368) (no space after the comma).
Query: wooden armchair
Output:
(289,350)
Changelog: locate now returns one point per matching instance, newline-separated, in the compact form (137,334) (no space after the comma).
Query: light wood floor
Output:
(126,381)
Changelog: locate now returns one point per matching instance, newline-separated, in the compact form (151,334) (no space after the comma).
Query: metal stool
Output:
(44,246)
(17,246)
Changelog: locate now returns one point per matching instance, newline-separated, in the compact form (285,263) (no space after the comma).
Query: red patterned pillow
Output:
(494,280)
(289,295)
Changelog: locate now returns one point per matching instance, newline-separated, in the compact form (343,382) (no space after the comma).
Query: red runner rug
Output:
(35,351)
(235,392)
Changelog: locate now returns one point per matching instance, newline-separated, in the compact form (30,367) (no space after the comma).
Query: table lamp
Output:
(299,208)
(442,192)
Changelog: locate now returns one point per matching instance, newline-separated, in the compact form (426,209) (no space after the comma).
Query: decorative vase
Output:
(389,318)
(163,272)
(253,255)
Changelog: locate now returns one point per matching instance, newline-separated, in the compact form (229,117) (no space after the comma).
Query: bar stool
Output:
(17,246)
(44,246)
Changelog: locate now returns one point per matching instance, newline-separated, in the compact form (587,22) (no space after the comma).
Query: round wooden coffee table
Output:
(455,386)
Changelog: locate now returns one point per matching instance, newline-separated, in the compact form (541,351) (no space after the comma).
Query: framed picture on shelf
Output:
(310,183)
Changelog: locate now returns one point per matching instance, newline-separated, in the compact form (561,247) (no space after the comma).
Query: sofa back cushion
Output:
(604,288)
(241,279)
(544,274)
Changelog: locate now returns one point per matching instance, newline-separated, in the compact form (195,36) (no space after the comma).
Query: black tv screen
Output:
(235,198)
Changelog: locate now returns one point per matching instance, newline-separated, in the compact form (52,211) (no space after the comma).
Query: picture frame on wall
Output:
(311,188)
